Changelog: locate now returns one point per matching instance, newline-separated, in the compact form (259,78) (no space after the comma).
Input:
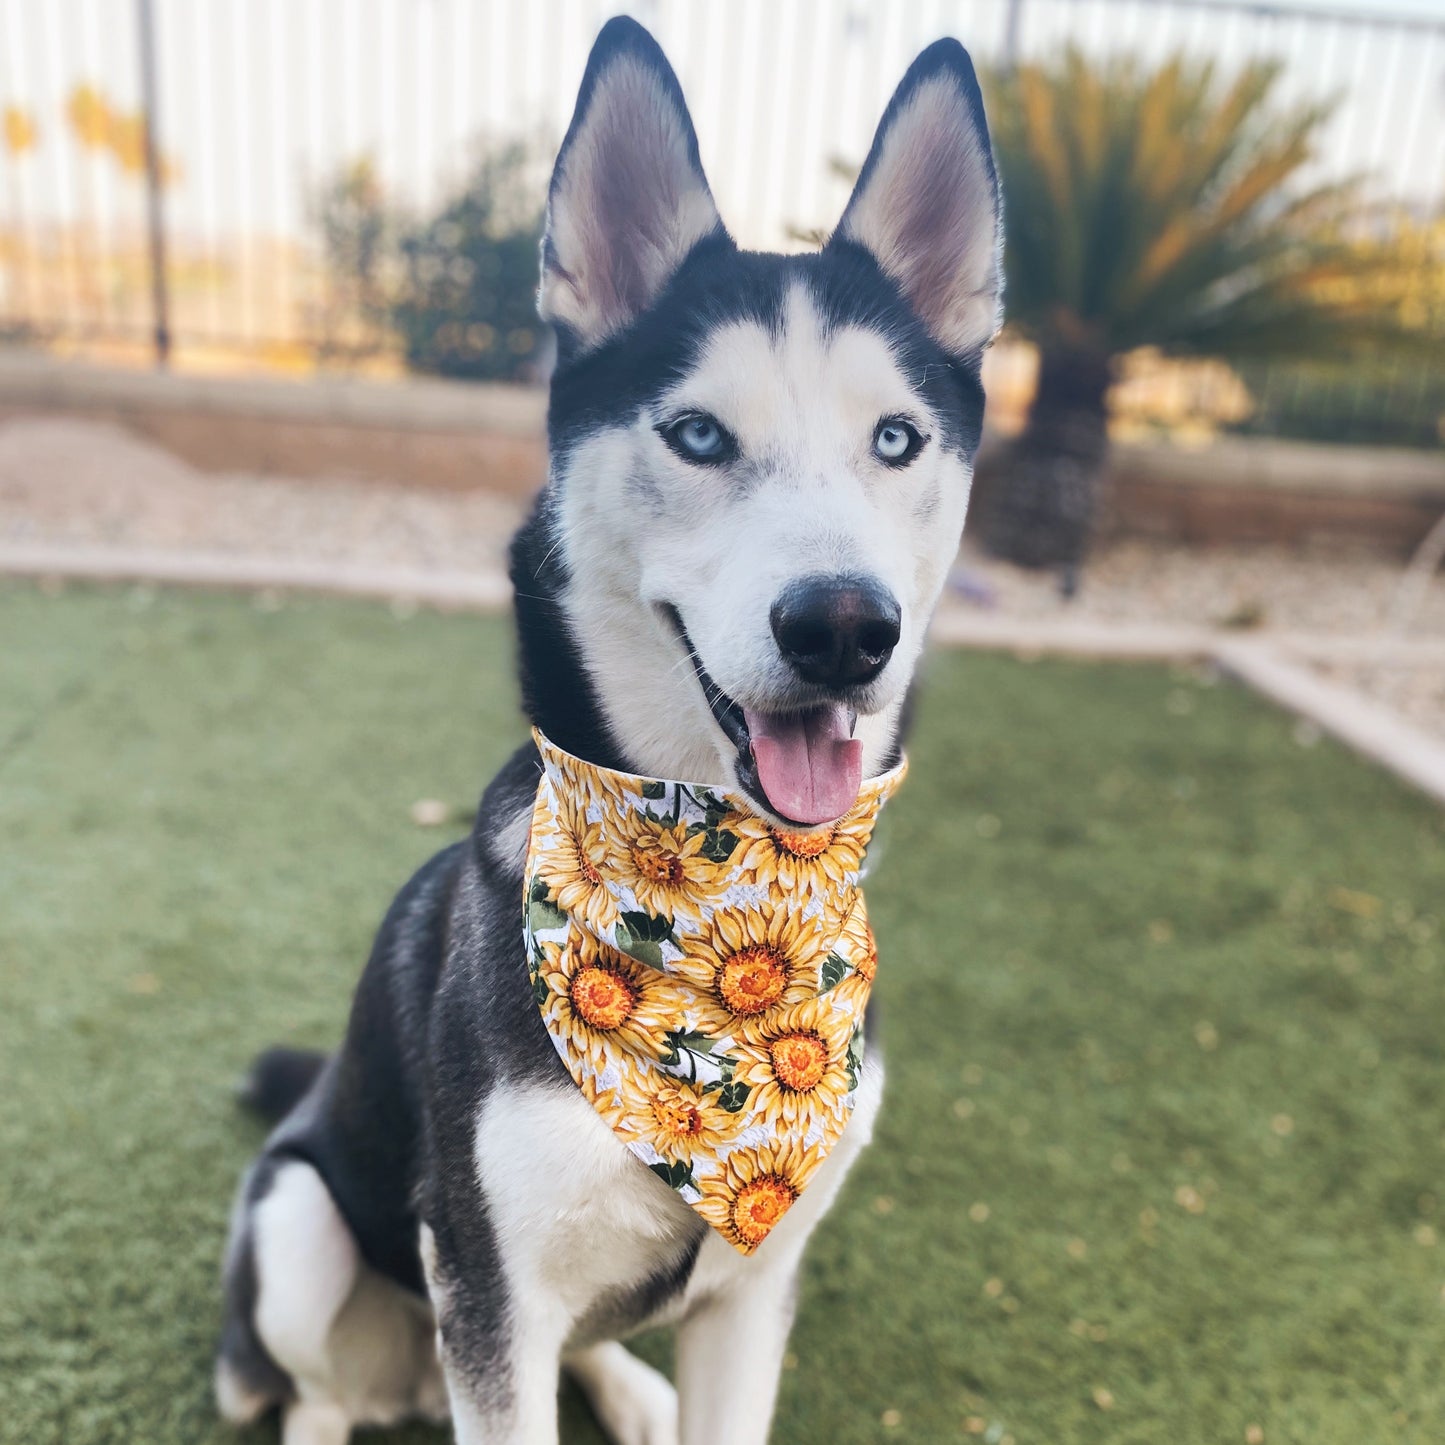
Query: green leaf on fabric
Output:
(640,935)
(674,1175)
(835,970)
(734,1097)
(653,788)
(542,916)
(718,845)
(642,949)
(855,1057)
(649,927)
(685,1041)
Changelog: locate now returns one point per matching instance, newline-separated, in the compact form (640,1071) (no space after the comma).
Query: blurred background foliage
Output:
(1159,212)
(356,240)
(1392,399)
(101,127)
(1171,208)
(454,291)
(466,305)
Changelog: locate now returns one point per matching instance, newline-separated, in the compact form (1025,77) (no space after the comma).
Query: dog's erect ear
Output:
(927,201)
(628,198)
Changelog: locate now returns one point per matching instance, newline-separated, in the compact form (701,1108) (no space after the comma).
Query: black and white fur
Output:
(439,1220)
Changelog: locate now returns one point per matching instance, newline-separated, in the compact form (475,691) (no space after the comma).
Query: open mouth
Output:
(805,764)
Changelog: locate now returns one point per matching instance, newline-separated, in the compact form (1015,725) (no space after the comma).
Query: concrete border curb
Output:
(1372,730)
(1150,642)
(1375,731)
(482,591)
(1135,642)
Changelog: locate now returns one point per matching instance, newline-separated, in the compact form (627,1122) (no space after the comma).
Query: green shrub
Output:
(466,303)
(357,233)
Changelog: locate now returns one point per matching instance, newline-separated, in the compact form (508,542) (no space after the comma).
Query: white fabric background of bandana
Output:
(703,976)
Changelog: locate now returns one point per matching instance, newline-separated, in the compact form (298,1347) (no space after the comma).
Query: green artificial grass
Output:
(1164,1008)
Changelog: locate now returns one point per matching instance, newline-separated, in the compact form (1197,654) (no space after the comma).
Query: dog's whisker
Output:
(547,557)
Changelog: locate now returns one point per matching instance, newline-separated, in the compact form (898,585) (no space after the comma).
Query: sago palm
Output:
(1162,208)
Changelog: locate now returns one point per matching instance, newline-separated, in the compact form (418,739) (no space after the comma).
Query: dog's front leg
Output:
(505,1392)
(500,1347)
(729,1355)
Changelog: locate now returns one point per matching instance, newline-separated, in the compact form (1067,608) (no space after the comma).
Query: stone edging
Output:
(487,591)
(1363,724)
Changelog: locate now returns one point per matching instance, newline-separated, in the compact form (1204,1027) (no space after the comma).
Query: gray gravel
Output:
(1255,588)
(1266,587)
(96,484)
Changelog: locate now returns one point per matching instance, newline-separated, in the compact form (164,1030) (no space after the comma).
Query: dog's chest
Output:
(574,1213)
(580,1220)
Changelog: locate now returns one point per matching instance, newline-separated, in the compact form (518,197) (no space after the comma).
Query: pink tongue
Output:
(808,766)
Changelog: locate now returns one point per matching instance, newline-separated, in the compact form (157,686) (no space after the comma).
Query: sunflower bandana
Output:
(703,975)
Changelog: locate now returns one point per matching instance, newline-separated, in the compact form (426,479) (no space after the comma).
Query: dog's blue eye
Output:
(699,438)
(701,435)
(895,442)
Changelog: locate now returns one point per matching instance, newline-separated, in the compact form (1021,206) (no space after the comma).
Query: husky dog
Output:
(760,466)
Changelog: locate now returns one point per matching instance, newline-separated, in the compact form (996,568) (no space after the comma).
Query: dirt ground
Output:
(93,483)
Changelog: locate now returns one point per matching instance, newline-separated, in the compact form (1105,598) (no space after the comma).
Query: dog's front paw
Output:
(635,1404)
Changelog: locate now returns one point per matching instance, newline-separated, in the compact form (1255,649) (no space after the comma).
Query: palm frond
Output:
(1169,207)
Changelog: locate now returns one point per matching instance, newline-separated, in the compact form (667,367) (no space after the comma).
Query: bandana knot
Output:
(703,974)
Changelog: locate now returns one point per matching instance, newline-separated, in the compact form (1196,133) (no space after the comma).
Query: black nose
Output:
(836,631)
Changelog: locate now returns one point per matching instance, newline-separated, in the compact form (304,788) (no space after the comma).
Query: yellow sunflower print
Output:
(755,1187)
(572,858)
(703,976)
(600,1004)
(856,947)
(820,860)
(795,1065)
(666,869)
(752,961)
(589,785)
(679,1118)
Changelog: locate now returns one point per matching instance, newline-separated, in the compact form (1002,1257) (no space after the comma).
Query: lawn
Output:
(1163,1157)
